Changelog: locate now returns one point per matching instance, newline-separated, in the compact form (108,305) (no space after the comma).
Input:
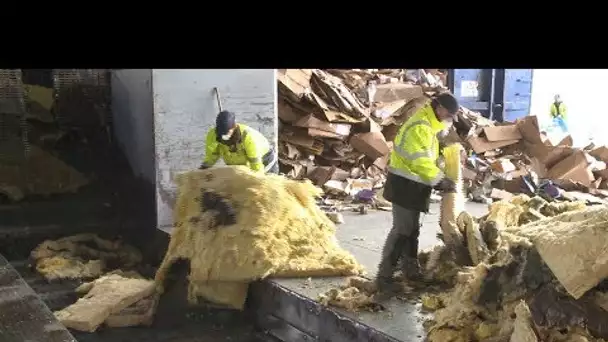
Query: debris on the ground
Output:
(139,314)
(111,297)
(357,294)
(335,217)
(338,126)
(82,256)
(236,226)
(537,272)
(533,280)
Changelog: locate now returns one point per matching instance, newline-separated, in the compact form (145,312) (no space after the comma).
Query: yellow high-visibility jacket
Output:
(558,110)
(248,152)
(416,148)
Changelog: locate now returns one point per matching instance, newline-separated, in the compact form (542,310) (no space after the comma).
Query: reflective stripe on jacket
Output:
(558,110)
(248,152)
(416,148)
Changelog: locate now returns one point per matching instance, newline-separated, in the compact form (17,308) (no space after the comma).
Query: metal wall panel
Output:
(499,94)
(517,93)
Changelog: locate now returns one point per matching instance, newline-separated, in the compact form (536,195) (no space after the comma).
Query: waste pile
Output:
(116,300)
(115,295)
(82,256)
(337,127)
(235,226)
(537,271)
(511,158)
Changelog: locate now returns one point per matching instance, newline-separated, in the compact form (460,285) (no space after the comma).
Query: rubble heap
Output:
(545,278)
(537,271)
(337,126)
(511,158)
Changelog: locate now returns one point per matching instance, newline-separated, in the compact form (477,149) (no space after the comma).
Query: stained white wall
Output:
(583,91)
(185,109)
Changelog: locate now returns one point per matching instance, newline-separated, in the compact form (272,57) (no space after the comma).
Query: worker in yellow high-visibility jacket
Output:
(238,144)
(412,174)
(558,113)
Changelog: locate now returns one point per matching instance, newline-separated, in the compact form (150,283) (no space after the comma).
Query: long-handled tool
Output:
(218,98)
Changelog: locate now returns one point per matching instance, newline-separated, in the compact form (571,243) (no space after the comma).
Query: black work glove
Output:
(446,185)
(203,167)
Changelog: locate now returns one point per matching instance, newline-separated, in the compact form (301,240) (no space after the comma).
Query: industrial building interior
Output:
(63,171)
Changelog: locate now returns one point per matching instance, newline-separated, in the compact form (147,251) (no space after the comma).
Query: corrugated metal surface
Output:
(499,94)
(13,128)
(82,98)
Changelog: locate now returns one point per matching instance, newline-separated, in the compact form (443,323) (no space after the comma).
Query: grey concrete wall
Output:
(185,109)
(133,119)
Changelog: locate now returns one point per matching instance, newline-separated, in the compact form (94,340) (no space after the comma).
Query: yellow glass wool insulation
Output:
(278,231)
(82,256)
(452,203)
(504,214)
(575,247)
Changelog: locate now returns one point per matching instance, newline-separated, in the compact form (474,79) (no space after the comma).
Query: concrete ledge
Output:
(23,315)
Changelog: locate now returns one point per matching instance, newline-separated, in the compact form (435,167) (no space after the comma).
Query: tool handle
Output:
(219,99)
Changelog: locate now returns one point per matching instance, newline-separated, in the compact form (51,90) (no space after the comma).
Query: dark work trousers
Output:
(401,242)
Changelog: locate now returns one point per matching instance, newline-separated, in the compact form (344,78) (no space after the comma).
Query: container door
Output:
(517,93)
(472,88)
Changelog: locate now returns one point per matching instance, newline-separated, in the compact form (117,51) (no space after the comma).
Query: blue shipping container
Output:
(498,94)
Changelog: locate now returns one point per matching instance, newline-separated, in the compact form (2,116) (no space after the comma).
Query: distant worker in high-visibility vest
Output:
(412,174)
(558,113)
(238,144)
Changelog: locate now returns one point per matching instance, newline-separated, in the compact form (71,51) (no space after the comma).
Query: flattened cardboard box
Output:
(295,80)
(528,127)
(501,133)
(480,145)
(316,127)
(392,92)
(574,168)
(372,144)
(601,153)
(567,141)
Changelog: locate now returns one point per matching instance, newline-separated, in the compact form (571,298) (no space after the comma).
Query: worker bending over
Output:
(238,144)
(412,174)
(558,113)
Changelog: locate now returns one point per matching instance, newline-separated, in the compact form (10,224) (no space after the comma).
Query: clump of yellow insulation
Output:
(537,272)
(82,256)
(356,295)
(236,226)
(530,282)
(452,203)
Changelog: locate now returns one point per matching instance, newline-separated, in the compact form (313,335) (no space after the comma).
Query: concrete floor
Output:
(363,235)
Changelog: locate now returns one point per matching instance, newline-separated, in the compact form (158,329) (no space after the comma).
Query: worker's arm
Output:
(211,150)
(563,111)
(553,110)
(252,152)
(421,152)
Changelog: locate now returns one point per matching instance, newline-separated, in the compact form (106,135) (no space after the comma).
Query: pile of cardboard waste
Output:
(511,158)
(337,128)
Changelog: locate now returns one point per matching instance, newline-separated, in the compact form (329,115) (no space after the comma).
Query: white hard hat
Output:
(556,97)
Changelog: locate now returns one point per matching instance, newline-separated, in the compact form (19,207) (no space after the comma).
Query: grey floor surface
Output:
(363,235)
